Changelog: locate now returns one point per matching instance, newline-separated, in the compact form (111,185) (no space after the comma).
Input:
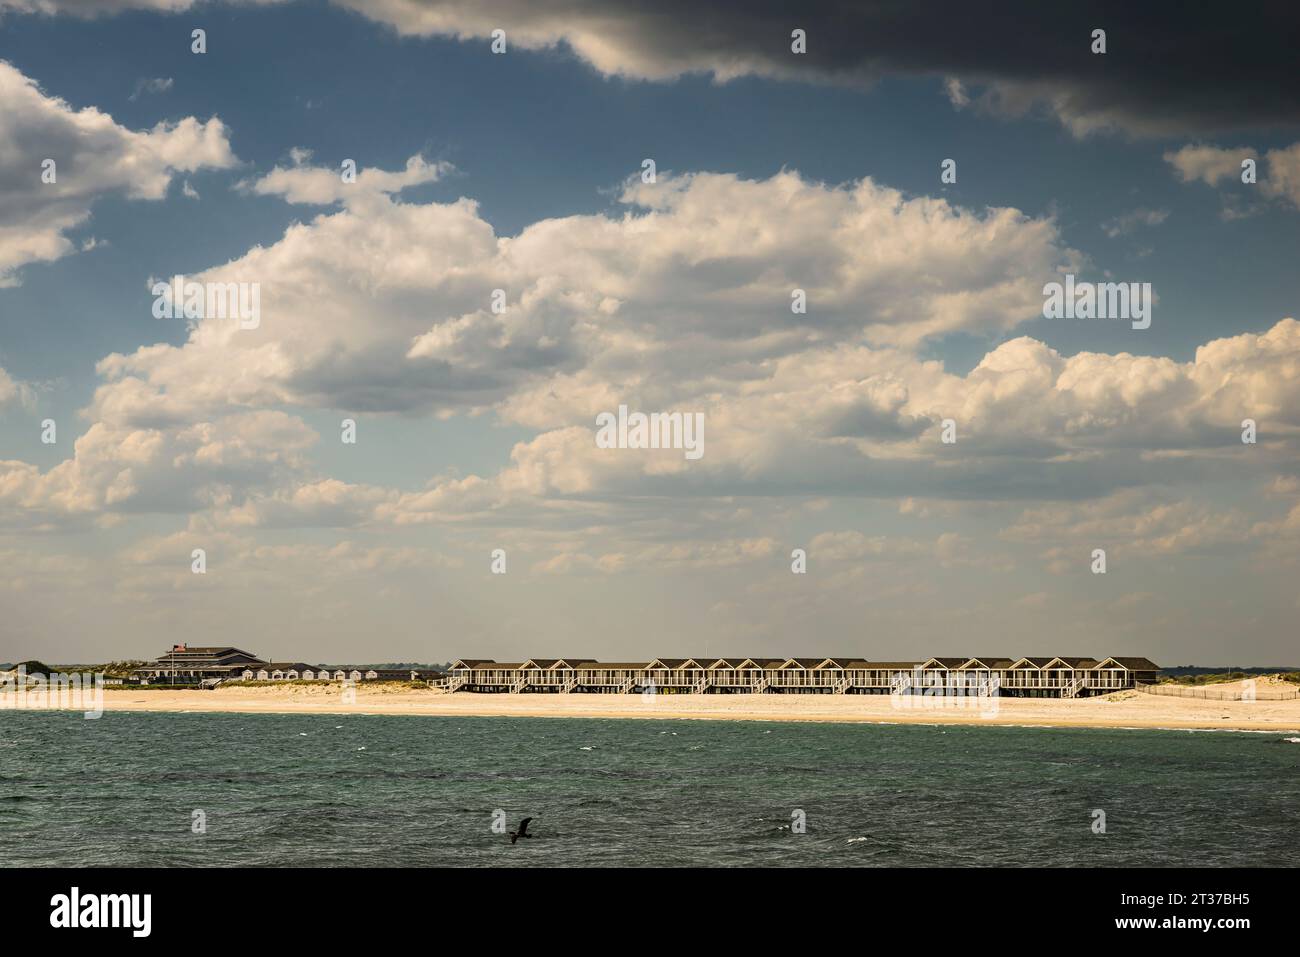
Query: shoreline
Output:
(1125,710)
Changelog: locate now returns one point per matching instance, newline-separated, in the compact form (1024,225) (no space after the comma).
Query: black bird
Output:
(522,832)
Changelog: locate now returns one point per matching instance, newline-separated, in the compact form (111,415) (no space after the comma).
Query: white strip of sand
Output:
(1125,709)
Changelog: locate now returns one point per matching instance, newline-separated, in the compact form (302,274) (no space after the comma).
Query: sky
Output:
(827,514)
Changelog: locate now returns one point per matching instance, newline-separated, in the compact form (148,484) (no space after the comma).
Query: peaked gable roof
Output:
(1133,664)
(807,664)
(986,661)
(1039,663)
(721,663)
(949,663)
(1072,663)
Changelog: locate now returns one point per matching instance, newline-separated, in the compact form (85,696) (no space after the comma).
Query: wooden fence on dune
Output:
(1221,694)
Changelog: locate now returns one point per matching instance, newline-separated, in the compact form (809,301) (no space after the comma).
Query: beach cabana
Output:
(609,676)
(726,674)
(664,672)
(1068,674)
(1026,674)
(461,671)
(842,675)
(798,674)
(985,671)
(493,675)
(938,672)
(892,677)
(695,674)
(1114,673)
(758,672)
(563,674)
(535,673)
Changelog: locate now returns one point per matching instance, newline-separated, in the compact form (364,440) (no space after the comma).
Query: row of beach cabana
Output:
(1037,677)
(308,674)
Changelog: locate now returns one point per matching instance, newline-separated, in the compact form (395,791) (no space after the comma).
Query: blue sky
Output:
(616,564)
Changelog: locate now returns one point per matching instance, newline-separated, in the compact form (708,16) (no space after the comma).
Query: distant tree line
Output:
(406,666)
(1188,671)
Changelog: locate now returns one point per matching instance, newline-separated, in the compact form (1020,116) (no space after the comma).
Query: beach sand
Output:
(1124,709)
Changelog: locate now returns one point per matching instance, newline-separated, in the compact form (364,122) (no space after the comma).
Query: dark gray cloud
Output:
(1171,68)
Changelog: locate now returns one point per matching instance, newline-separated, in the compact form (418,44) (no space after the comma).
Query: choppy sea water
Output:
(354,790)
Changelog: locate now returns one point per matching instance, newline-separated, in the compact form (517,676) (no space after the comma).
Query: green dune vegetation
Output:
(114,669)
(33,667)
(1222,677)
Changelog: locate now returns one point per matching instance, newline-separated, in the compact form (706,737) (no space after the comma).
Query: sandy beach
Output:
(1124,709)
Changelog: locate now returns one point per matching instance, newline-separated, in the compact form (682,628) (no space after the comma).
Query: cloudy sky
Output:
(475,429)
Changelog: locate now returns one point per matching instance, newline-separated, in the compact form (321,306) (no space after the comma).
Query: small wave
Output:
(587,749)
(857,840)
(1292,740)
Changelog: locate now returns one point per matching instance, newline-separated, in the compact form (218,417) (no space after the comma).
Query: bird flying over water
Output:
(522,832)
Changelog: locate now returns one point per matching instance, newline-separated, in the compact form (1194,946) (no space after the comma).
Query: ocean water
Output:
(354,790)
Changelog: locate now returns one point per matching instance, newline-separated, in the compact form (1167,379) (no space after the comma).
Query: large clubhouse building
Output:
(1015,677)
